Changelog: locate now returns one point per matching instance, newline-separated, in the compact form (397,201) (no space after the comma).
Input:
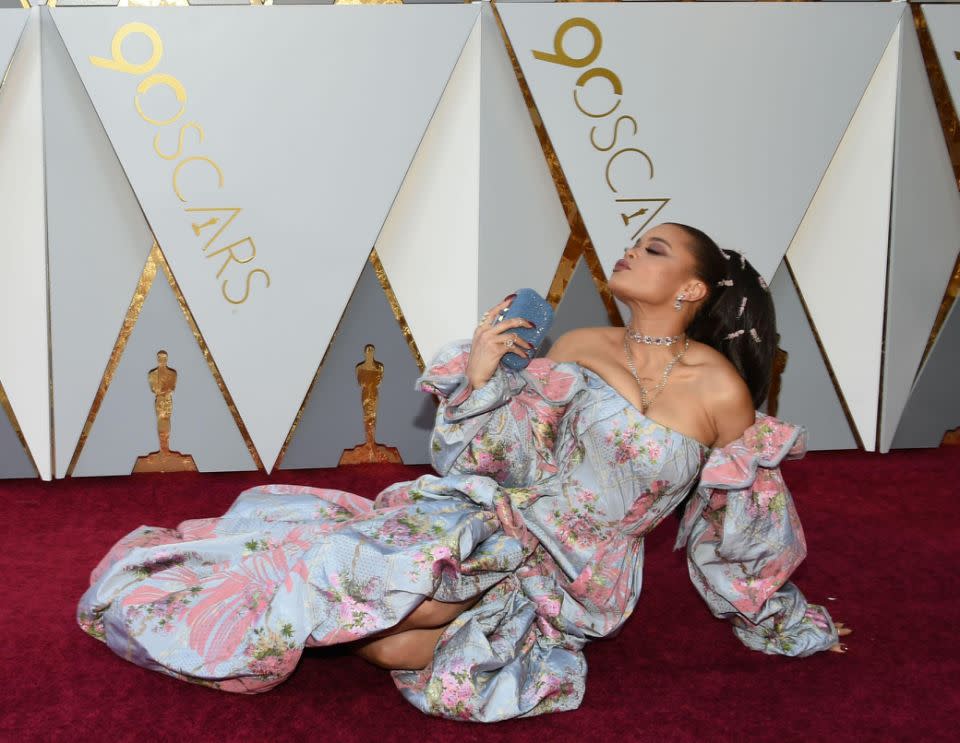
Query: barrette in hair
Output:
(725,282)
(743,261)
(734,334)
(753,334)
(743,304)
(763,283)
(726,256)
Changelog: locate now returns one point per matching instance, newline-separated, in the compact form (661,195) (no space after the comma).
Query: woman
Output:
(480,587)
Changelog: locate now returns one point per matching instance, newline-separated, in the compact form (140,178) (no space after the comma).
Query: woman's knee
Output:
(410,650)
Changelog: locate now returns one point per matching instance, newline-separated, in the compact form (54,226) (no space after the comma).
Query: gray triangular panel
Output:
(807,395)
(14,461)
(11,27)
(924,234)
(934,404)
(333,418)
(581,307)
(126,426)
(97,242)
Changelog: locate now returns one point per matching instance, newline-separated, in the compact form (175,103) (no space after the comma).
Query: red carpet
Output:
(883,535)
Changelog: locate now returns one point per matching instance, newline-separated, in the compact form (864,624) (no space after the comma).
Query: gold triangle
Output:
(950,124)
(155,261)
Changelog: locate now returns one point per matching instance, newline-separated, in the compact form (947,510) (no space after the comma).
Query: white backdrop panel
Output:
(924,233)
(296,127)
(428,245)
(98,242)
(24,340)
(839,254)
(523,229)
(730,111)
(11,26)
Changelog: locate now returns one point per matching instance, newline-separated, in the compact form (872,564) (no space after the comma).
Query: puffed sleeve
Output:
(744,539)
(508,428)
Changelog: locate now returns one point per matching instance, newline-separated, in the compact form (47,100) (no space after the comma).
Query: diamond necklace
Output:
(653,340)
(645,400)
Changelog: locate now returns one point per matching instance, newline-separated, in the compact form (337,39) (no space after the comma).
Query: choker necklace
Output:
(652,340)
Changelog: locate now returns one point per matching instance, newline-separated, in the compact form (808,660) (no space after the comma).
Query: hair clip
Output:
(725,282)
(743,261)
(734,334)
(754,335)
(763,283)
(726,256)
(743,304)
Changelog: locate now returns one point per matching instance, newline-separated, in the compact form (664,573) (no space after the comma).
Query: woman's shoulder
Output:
(723,392)
(580,343)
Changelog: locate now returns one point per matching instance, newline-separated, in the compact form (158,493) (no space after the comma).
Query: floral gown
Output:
(549,481)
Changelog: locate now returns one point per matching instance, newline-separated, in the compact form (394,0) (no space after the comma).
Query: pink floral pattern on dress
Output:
(547,483)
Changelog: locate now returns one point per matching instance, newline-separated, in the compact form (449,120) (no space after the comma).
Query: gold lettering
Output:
(120,63)
(622,152)
(559,56)
(615,133)
(246,293)
(183,132)
(194,158)
(161,78)
(606,75)
(197,227)
(641,212)
(232,258)
(234,212)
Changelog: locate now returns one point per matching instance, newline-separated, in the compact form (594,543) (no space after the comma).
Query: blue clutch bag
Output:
(530,306)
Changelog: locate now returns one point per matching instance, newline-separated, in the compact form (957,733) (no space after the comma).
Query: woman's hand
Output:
(839,647)
(491,342)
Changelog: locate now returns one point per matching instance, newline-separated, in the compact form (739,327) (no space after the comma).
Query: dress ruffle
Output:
(734,467)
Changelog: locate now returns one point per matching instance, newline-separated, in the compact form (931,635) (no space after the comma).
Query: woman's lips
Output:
(621,265)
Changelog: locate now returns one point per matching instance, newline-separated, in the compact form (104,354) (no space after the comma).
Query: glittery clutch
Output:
(530,306)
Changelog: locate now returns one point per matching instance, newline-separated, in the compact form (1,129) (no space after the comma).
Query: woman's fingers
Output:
(838,647)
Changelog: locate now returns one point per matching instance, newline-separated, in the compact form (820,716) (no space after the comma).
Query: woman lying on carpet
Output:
(480,587)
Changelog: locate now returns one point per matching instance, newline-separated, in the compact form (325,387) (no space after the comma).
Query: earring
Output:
(678,305)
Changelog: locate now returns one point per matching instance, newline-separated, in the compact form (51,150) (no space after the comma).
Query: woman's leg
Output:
(403,651)
(410,644)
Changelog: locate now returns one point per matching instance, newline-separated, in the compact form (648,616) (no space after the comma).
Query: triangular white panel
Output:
(924,234)
(11,27)
(522,222)
(97,240)
(720,115)
(289,144)
(807,394)
(24,340)
(429,243)
(839,254)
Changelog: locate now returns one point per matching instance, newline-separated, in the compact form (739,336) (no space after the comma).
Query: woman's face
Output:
(656,269)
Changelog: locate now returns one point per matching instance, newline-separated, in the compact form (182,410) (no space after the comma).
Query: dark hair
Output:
(737,318)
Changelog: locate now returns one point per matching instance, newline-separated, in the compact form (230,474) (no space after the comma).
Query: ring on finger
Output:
(508,343)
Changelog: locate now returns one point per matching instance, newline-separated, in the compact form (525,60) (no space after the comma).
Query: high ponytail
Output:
(738,317)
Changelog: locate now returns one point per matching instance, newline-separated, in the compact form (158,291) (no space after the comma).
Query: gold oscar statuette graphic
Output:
(776,379)
(369,376)
(162,381)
